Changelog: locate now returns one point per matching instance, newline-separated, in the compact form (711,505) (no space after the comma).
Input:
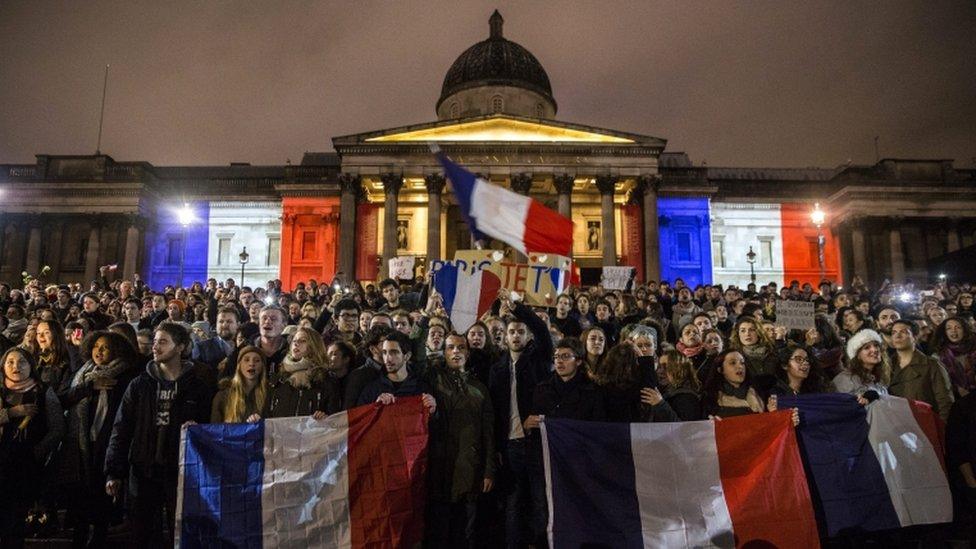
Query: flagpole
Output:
(101,115)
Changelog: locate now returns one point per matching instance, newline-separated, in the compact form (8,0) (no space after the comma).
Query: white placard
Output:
(401,267)
(795,315)
(618,278)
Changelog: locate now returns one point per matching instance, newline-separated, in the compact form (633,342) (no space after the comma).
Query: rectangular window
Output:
(82,251)
(223,251)
(274,250)
(814,252)
(173,250)
(683,245)
(308,245)
(766,253)
(718,252)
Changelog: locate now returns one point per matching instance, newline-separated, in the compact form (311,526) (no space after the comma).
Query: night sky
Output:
(740,84)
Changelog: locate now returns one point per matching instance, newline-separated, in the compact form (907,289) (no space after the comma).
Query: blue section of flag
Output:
(684,233)
(445,282)
(463,182)
(599,502)
(223,467)
(846,482)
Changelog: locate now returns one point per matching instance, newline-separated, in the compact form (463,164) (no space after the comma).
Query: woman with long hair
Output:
(868,369)
(954,343)
(31,426)
(759,352)
(243,396)
(583,313)
(629,395)
(682,387)
(595,344)
(303,385)
(92,399)
(798,373)
(728,391)
(824,344)
(51,352)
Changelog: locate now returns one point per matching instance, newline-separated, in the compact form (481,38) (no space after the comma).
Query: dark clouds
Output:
(747,84)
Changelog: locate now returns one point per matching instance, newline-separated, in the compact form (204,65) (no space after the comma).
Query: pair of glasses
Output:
(801,360)
(563,356)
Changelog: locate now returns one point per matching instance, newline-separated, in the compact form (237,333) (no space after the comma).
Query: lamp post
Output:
(244,257)
(818,216)
(185,217)
(751,258)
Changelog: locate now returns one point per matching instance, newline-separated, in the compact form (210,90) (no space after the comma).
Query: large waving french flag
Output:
(517,220)
(695,484)
(467,293)
(872,468)
(355,479)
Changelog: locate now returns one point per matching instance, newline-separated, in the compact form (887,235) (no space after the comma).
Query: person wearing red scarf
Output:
(690,345)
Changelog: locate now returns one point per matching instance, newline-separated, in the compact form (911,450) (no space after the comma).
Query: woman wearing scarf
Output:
(243,396)
(31,425)
(690,345)
(728,391)
(954,344)
(304,386)
(750,340)
(92,398)
(682,387)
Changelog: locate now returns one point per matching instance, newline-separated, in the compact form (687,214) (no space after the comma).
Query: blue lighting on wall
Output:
(685,238)
(164,246)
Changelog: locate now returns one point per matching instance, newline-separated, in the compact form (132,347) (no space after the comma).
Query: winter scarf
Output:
(689,351)
(959,359)
(89,373)
(297,372)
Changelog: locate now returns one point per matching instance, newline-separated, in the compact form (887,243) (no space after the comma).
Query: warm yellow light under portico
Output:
(502,129)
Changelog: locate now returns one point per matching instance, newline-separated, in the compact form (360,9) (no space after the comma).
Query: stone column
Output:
(522,184)
(608,229)
(953,242)
(652,245)
(131,256)
(897,255)
(435,187)
(564,186)
(94,249)
(52,254)
(392,182)
(351,185)
(859,252)
(33,265)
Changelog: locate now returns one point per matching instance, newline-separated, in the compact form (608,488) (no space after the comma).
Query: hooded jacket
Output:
(145,435)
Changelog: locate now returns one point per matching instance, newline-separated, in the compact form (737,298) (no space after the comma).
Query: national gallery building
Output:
(382,194)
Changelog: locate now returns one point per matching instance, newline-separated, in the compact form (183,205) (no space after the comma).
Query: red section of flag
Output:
(932,425)
(764,482)
(387,473)
(546,231)
(490,284)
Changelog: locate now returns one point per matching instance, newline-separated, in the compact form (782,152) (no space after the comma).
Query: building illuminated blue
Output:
(684,231)
(165,247)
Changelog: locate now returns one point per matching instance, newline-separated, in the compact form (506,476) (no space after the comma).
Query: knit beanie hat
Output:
(860,339)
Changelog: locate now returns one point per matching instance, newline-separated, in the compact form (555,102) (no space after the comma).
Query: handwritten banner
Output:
(401,267)
(540,280)
(618,278)
(795,315)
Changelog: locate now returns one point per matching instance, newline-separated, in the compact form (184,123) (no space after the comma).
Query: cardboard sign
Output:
(540,280)
(618,278)
(795,315)
(401,267)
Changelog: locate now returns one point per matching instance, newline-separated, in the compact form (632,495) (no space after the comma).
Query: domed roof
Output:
(496,61)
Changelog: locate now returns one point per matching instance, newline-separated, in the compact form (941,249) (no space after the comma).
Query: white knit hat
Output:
(861,339)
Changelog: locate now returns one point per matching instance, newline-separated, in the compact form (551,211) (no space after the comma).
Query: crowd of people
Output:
(97,382)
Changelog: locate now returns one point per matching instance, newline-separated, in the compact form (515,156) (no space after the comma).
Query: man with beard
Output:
(568,326)
(143,450)
(512,382)
(271,342)
(398,380)
(372,366)
(461,450)
(212,351)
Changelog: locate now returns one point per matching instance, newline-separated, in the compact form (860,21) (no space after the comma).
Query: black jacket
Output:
(358,379)
(136,439)
(533,366)
(291,398)
(577,398)
(412,385)
(685,403)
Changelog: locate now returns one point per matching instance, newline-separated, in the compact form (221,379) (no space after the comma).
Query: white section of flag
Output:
(305,489)
(912,469)
(681,458)
(500,212)
(464,310)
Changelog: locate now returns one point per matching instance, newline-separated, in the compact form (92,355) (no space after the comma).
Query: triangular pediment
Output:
(499,129)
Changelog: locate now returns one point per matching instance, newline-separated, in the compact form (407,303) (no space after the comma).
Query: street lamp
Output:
(751,258)
(185,216)
(243,257)
(818,217)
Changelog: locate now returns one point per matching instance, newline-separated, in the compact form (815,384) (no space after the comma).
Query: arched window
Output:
(497,104)
(455,110)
